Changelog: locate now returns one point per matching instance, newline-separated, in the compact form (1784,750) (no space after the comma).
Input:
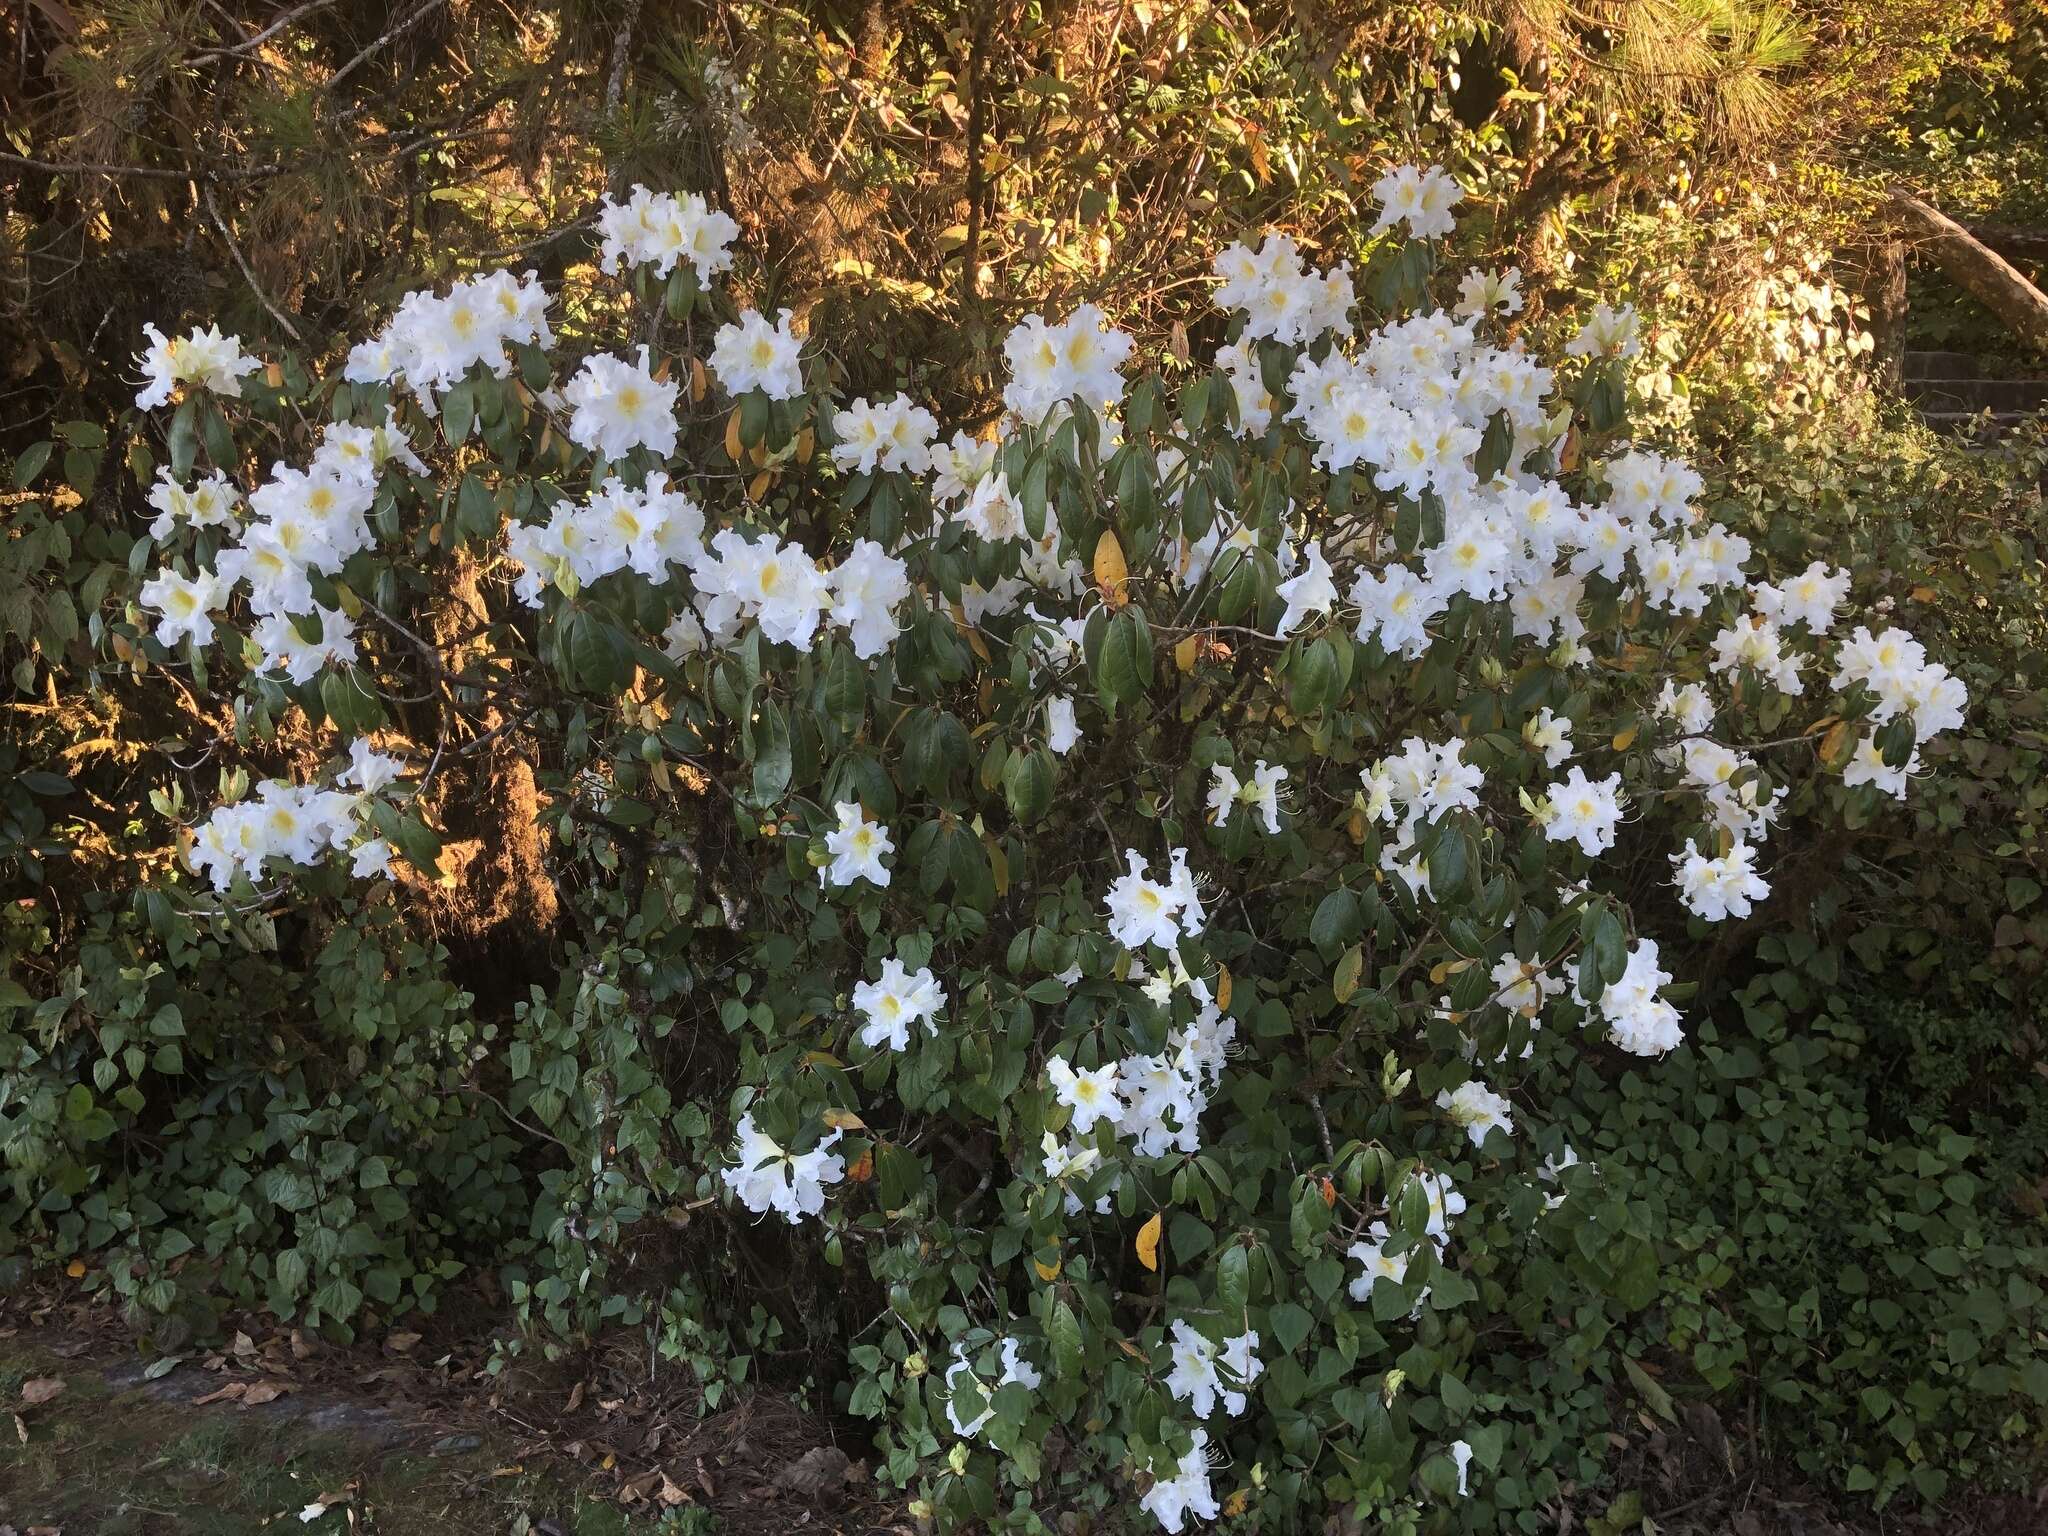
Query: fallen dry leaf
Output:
(263,1392)
(40,1390)
(231,1393)
(672,1493)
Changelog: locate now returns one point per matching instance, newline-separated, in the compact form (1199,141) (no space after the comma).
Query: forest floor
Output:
(276,1431)
(415,1434)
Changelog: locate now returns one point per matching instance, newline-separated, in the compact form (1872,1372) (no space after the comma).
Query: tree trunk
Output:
(1884,292)
(2002,287)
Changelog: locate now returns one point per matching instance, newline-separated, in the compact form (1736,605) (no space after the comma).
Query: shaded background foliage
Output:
(914,177)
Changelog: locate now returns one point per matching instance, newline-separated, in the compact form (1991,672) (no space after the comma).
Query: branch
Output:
(213,209)
(2001,286)
(391,36)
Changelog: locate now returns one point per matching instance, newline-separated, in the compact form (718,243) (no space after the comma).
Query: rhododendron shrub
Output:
(1146,873)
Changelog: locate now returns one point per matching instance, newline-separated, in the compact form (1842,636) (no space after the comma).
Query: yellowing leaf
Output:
(1148,1243)
(1047,1272)
(1184,654)
(806,444)
(700,384)
(758,486)
(1833,745)
(734,448)
(75,1269)
(1223,989)
(844,1120)
(1623,740)
(1111,573)
(1923,594)
(1345,982)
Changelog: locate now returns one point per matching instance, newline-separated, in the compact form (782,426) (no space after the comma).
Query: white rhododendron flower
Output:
(185,605)
(1809,598)
(1608,332)
(432,342)
(1422,199)
(857,848)
(1062,731)
(894,434)
(1313,592)
(1090,1093)
(1076,359)
(1723,887)
(1866,765)
(965,1390)
(1260,793)
(658,229)
(1205,1373)
(297,823)
(1171,1500)
(1583,810)
(1395,607)
(867,587)
(1481,293)
(203,359)
(618,406)
(892,1005)
(1549,734)
(1523,986)
(766,1177)
(753,354)
(368,769)
(1638,1020)
(209,502)
(1478,1109)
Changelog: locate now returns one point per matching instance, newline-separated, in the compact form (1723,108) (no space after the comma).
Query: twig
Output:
(388,38)
(977,123)
(213,209)
(240,49)
(622,42)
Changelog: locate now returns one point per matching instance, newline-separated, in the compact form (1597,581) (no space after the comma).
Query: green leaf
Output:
(845,689)
(1064,1333)
(1337,921)
(1291,1324)
(1028,784)
(1312,678)
(771,754)
(1123,667)
(30,464)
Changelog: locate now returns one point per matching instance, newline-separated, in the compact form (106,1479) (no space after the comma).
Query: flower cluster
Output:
(1381,1256)
(1077,359)
(658,229)
(202,359)
(300,824)
(431,342)
(1282,298)
(765,1176)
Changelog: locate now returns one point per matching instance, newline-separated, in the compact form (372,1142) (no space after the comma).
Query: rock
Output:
(818,1476)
